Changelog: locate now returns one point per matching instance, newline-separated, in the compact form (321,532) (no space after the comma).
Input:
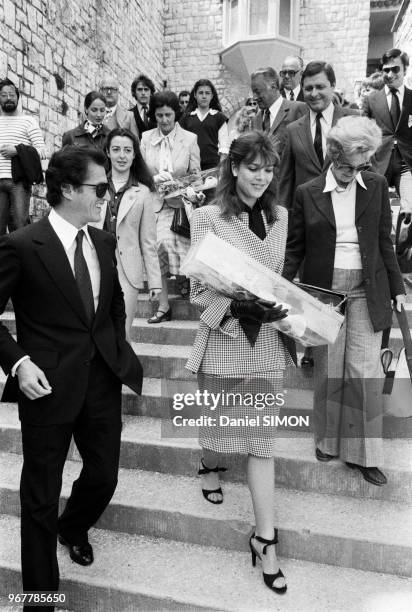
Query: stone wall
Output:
(403,38)
(58,50)
(337,32)
(192,42)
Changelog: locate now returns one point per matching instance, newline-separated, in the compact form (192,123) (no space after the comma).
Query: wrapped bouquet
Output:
(200,181)
(224,268)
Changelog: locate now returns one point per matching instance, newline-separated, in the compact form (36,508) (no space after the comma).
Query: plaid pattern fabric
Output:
(221,347)
(241,437)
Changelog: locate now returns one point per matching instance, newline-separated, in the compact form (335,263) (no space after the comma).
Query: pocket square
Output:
(410,121)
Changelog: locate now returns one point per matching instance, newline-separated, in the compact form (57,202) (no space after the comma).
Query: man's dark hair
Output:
(392,54)
(165,98)
(8,83)
(268,73)
(314,68)
(70,166)
(185,92)
(142,78)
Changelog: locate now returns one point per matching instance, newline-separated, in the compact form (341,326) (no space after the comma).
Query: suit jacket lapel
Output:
(323,201)
(283,110)
(406,109)
(306,139)
(363,198)
(127,202)
(55,260)
(383,108)
(103,249)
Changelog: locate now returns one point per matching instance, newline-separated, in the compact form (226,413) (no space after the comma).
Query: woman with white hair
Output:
(340,228)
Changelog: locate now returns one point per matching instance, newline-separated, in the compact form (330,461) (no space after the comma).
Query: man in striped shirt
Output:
(15,129)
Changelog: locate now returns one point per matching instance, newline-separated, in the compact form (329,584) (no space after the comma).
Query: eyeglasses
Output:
(108,89)
(291,73)
(394,69)
(100,188)
(342,166)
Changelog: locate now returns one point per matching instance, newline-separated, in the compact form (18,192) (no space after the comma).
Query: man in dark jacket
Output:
(68,363)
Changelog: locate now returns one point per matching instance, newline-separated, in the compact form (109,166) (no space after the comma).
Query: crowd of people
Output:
(302,189)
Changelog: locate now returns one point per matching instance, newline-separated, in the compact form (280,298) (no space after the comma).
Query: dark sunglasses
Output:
(341,166)
(291,73)
(394,69)
(100,188)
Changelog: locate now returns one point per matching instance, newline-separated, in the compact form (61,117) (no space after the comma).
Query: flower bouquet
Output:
(224,268)
(199,181)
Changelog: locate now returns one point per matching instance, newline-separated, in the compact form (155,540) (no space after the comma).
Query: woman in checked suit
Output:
(235,350)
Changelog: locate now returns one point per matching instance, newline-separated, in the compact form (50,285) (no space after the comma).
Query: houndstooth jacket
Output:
(221,347)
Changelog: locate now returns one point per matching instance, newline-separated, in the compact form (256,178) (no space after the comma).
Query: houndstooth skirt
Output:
(244,420)
(171,248)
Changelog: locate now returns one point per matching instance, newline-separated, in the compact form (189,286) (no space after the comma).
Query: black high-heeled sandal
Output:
(207,492)
(164,316)
(268,579)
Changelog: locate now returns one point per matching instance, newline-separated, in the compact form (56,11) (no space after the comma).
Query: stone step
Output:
(157,401)
(140,573)
(147,445)
(182,309)
(314,527)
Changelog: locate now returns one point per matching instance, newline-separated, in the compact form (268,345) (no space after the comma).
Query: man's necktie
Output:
(145,117)
(266,120)
(291,95)
(317,143)
(395,108)
(81,273)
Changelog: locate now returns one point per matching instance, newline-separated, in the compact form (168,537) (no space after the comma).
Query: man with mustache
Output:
(15,129)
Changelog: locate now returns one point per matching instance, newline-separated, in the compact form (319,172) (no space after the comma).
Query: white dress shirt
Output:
(399,95)
(325,124)
(347,254)
(296,92)
(274,109)
(223,134)
(66,233)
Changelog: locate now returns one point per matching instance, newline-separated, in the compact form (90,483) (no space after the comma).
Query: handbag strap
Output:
(406,336)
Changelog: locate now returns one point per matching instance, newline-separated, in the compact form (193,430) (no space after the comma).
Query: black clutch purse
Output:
(335,299)
(180,223)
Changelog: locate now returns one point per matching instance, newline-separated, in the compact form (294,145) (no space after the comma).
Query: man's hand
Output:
(32,381)
(162,176)
(8,151)
(400,300)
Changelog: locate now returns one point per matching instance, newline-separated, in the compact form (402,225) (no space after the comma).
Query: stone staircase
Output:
(344,544)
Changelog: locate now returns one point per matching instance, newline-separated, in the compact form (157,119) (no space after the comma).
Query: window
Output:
(248,19)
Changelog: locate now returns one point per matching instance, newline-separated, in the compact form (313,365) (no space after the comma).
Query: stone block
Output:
(9,13)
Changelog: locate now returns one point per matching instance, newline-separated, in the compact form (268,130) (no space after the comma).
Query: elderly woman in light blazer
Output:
(340,229)
(129,216)
(169,151)
(236,349)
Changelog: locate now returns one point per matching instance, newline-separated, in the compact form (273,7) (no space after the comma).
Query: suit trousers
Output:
(348,382)
(400,177)
(96,432)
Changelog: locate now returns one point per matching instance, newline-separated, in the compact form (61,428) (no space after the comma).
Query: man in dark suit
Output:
(290,74)
(142,90)
(391,108)
(116,116)
(275,113)
(304,157)
(68,363)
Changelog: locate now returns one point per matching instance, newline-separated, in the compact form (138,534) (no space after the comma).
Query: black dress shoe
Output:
(79,553)
(371,474)
(323,456)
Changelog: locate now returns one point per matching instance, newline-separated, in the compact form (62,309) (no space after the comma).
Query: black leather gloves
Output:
(257,310)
